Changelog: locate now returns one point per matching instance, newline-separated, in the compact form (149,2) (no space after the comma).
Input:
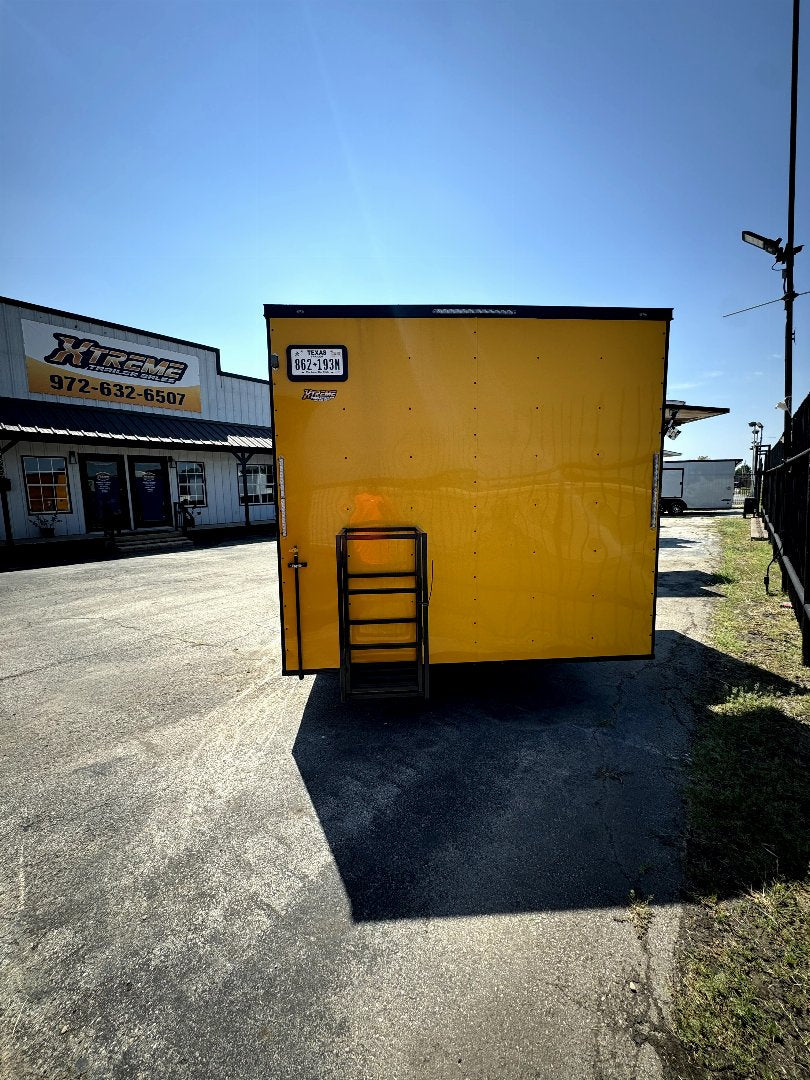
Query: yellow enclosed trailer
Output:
(462,485)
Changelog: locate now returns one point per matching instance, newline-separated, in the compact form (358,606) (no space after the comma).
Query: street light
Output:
(773,247)
(756,436)
(783,255)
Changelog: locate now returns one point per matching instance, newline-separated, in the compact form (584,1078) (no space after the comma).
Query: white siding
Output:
(222,486)
(223,397)
(231,398)
(707,485)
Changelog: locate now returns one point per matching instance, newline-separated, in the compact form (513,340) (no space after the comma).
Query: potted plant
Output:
(45,522)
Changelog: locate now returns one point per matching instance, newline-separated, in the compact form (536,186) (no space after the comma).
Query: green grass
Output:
(742,1004)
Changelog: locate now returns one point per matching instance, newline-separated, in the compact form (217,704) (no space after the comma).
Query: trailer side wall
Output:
(703,485)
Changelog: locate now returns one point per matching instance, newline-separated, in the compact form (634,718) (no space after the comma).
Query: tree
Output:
(742,476)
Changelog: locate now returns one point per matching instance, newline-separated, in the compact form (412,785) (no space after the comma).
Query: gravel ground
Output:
(213,872)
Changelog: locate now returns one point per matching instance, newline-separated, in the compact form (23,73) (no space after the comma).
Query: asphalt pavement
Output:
(211,871)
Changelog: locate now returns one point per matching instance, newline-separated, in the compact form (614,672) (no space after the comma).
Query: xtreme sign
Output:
(88,355)
(64,361)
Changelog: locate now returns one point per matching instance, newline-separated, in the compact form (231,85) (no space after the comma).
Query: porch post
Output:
(4,485)
(243,458)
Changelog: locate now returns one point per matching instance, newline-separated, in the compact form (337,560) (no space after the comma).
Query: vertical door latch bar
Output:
(297,565)
(656,486)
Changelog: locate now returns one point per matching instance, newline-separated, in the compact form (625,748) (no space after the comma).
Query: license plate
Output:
(325,363)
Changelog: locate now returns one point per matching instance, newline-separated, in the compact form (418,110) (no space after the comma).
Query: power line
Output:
(753,307)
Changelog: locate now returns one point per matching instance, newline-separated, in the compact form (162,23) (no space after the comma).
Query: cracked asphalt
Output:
(213,872)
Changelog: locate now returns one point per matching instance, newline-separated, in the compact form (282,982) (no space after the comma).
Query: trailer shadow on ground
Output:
(517,788)
(676,542)
(686,583)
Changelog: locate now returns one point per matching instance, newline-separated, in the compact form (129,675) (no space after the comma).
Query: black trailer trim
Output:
(461,311)
(661,459)
(501,664)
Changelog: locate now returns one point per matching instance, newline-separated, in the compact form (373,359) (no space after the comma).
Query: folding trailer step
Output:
(383,573)
(378,592)
(384,645)
(362,553)
(380,622)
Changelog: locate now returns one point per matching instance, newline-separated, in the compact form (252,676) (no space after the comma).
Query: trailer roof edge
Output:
(434,311)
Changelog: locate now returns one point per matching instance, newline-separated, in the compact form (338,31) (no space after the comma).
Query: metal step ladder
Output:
(383,612)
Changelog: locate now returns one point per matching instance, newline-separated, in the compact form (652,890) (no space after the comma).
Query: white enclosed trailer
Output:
(697,485)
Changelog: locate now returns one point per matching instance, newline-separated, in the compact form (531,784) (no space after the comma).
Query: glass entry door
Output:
(151,505)
(104,492)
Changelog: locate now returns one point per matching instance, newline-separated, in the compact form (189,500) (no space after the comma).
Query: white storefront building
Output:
(106,428)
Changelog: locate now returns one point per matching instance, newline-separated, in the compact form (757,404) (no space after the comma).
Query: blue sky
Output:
(175,165)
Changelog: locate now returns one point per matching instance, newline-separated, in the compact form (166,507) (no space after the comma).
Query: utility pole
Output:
(787,254)
(790,294)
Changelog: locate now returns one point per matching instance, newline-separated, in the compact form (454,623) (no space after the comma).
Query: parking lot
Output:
(211,871)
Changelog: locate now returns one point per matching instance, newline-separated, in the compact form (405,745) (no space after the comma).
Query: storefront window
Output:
(259,484)
(46,485)
(191,483)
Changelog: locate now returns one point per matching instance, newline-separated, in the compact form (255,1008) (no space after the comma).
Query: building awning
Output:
(43,421)
(678,412)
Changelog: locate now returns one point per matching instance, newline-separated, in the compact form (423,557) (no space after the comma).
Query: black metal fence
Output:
(785,502)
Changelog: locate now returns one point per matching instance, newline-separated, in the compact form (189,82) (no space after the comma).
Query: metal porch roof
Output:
(678,412)
(45,421)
